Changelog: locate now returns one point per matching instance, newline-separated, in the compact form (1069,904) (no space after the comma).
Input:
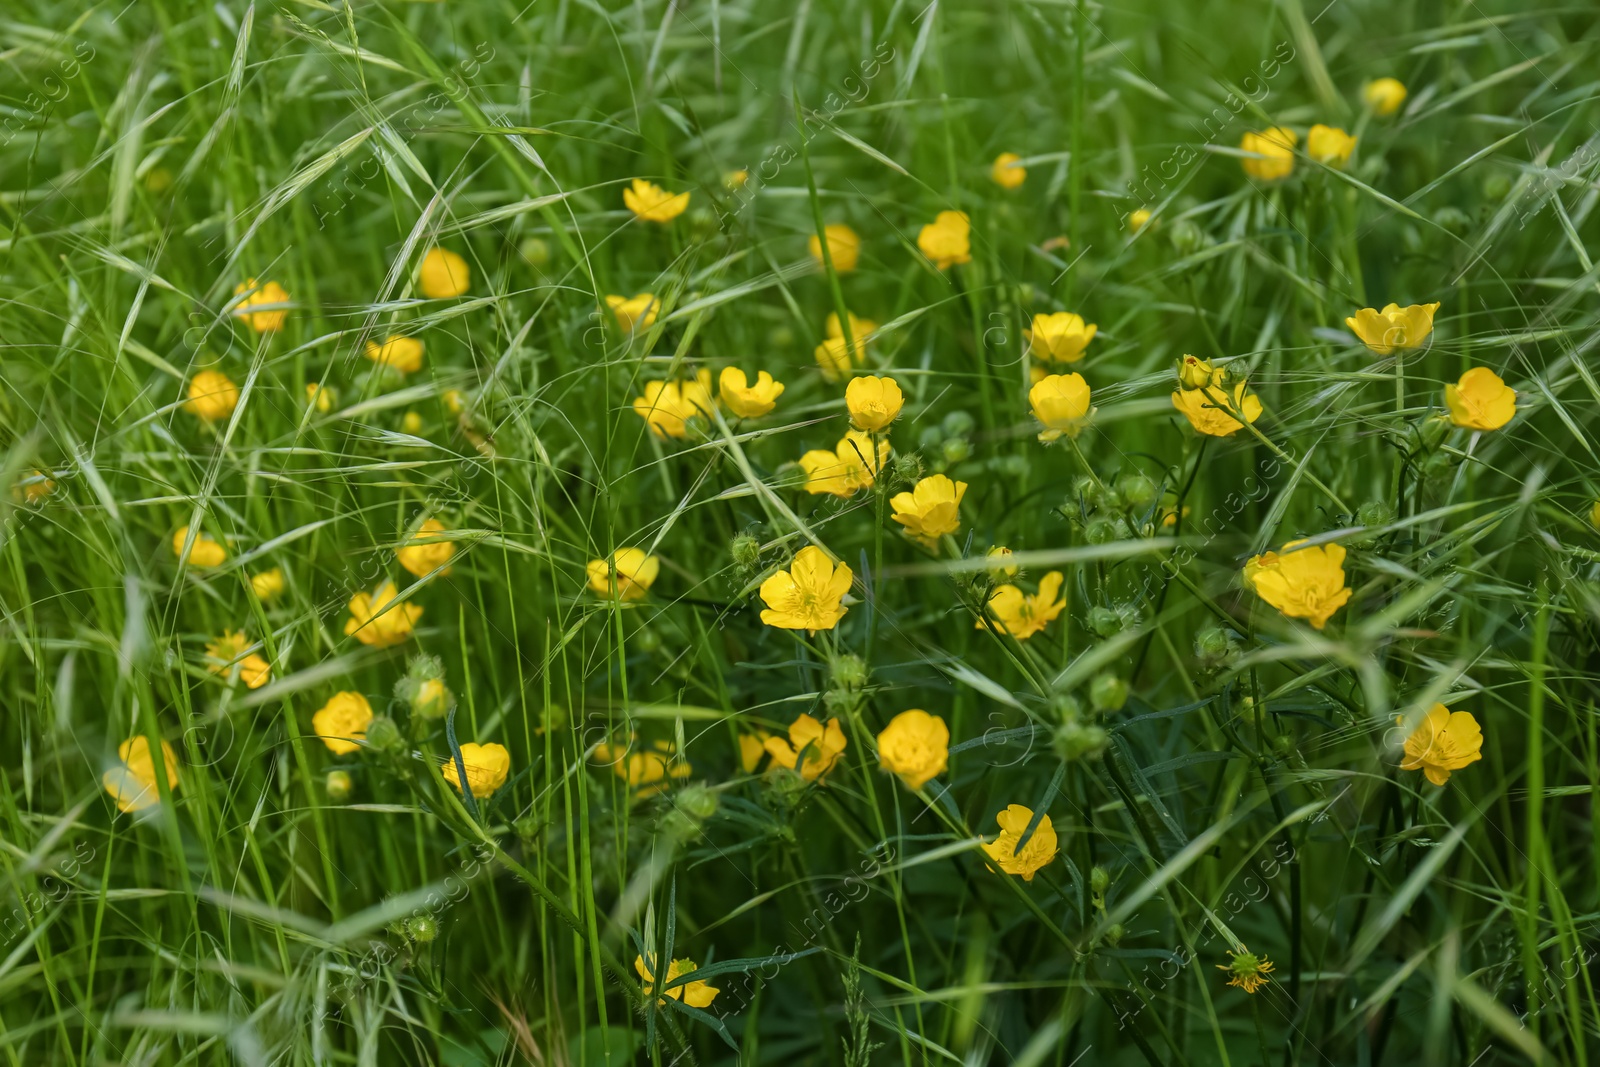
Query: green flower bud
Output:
(1076,740)
(780,337)
(1186,237)
(384,735)
(958,424)
(1115,933)
(1099,881)
(339,786)
(1137,491)
(697,802)
(1108,693)
(679,826)
(1496,187)
(422,928)
(1100,531)
(1375,513)
(535,252)
(746,551)
(647,640)
(930,438)
(1104,621)
(955,449)
(849,671)
(1212,644)
(906,467)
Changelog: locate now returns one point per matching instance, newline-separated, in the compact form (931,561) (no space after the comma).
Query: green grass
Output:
(153,156)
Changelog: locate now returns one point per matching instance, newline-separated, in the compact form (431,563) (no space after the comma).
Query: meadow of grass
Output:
(1233,846)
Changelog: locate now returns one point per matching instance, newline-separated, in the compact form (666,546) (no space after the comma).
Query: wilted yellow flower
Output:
(1329,145)
(844,247)
(1480,400)
(342,722)
(1444,741)
(647,771)
(629,575)
(1008,171)
(736,179)
(1249,971)
(267,585)
(1061,403)
(404,354)
(271,297)
(932,508)
(1138,219)
(34,487)
(487,767)
(212,396)
(424,552)
(874,402)
(1303,583)
(694,994)
(1000,565)
(1393,327)
(228,652)
(915,746)
(1195,373)
(852,465)
(132,782)
(637,312)
(1022,615)
(373,621)
(443,274)
(1212,411)
(1060,338)
(652,203)
(205,552)
(821,746)
(1040,850)
(1273,153)
(807,596)
(746,400)
(321,397)
(1384,95)
(946,240)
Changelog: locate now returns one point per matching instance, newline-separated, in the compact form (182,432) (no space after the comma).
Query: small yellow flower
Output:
(443,274)
(271,297)
(736,179)
(1444,741)
(932,508)
(1272,153)
(1060,402)
(1022,615)
(411,423)
(455,401)
(1393,327)
(915,746)
(694,994)
(853,465)
(667,407)
(1195,373)
(212,396)
(1384,96)
(1040,850)
(807,596)
(1008,171)
(342,722)
(132,782)
(203,553)
(629,575)
(404,354)
(33,488)
(746,400)
(267,585)
(652,203)
(424,552)
(1212,411)
(821,746)
(228,652)
(487,767)
(1060,338)
(1000,565)
(1329,145)
(377,621)
(1138,219)
(321,397)
(636,312)
(946,240)
(874,402)
(833,354)
(1249,971)
(1480,400)
(1302,583)
(844,247)
(647,771)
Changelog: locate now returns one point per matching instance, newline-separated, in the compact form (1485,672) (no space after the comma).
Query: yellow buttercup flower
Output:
(1060,402)
(1040,850)
(342,722)
(873,402)
(1272,153)
(375,620)
(205,552)
(667,407)
(1138,219)
(807,596)
(853,465)
(844,247)
(1021,615)
(321,397)
(833,354)
(423,553)
(1212,411)
(1060,338)
(1302,583)
(455,401)
(411,423)
(404,354)
(132,782)
(647,771)
(752,750)
(1248,971)
(1444,741)
(821,746)
(694,994)
(270,297)
(746,400)
(1195,373)
(1480,400)
(629,575)
(1384,95)
(487,767)
(1000,565)
(1329,145)
(212,396)
(915,747)
(228,652)
(1393,327)
(33,488)
(267,585)
(932,508)
(634,313)
(946,240)
(443,274)
(1008,171)
(652,203)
